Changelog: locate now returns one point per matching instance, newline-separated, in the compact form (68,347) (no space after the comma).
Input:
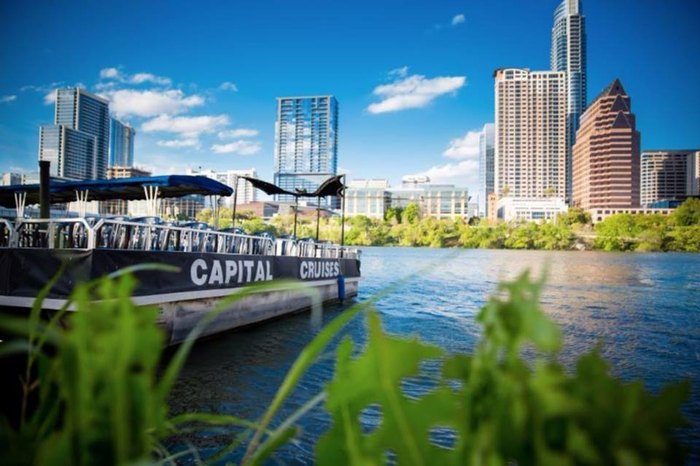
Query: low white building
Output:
(530,209)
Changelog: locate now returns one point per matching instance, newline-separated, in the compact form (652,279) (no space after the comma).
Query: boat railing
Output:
(152,234)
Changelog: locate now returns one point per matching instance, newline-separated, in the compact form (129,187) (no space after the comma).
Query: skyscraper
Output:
(77,142)
(306,143)
(568,54)
(606,153)
(487,155)
(121,144)
(530,130)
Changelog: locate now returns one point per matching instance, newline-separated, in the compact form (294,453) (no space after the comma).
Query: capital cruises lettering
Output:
(220,272)
(318,269)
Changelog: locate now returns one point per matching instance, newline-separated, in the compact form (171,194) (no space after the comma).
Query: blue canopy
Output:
(122,188)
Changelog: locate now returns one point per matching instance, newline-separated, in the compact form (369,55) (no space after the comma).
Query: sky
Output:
(413,79)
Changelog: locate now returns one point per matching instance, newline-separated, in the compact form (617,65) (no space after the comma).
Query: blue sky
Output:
(199,80)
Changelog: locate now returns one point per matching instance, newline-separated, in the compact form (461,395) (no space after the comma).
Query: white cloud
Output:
(458,19)
(464,173)
(238,133)
(50,97)
(110,73)
(7,98)
(189,127)
(228,86)
(237,147)
(466,147)
(413,92)
(140,78)
(399,72)
(179,143)
(125,102)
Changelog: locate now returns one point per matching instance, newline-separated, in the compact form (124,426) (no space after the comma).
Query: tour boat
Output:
(211,264)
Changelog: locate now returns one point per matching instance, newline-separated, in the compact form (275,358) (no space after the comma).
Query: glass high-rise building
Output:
(77,144)
(487,169)
(121,144)
(306,144)
(569,54)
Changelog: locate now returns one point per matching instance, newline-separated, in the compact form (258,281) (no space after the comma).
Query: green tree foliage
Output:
(411,213)
(688,213)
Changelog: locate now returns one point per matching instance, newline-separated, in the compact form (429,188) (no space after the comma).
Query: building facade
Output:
(119,206)
(487,158)
(530,133)
(246,193)
(121,144)
(523,209)
(568,54)
(306,144)
(77,143)
(668,175)
(9,179)
(370,198)
(606,154)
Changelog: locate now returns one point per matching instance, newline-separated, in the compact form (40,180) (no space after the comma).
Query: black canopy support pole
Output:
(235,202)
(44,187)
(296,209)
(342,216)
(318,215)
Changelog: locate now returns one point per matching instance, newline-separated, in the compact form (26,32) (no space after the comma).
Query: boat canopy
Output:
(333,186)
(121,188)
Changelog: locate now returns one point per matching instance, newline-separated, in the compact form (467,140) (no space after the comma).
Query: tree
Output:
(411,213)
(687,213)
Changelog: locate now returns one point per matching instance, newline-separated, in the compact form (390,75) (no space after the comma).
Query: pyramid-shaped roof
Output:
(621,121)
(614,88)
(619,105)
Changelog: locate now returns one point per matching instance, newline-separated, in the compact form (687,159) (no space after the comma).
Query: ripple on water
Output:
(643,308)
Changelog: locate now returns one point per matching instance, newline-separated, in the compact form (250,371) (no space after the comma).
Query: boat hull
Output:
(196,283)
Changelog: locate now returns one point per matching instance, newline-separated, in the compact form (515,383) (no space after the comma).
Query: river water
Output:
(644,308)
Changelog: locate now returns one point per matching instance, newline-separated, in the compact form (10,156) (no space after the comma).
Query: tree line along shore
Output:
(574,230)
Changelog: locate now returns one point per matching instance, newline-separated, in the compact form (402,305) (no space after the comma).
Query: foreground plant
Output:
(100,398)
(498,407)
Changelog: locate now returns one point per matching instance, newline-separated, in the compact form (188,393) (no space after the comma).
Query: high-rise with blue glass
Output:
(77,143)
(569,54)
(306,143)
(487,167)
(121,144)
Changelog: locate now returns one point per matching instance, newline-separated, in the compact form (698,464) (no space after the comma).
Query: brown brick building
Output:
(606,155)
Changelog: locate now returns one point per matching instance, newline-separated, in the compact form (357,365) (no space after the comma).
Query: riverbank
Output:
(571,231)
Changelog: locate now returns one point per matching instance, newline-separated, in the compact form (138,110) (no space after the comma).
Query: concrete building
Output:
(77,143)
(533,209)
(9,179)
(115,172)
(530,155)
(246,192)
(606,153)
(306,144)
(441,201)
(121,144)
(487,158)
(568,53)
(370,198)
(669,175)
(118,206)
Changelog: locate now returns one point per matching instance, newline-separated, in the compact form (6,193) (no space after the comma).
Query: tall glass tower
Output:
(569,54)
(121,144)
(487,159)
(306,143)
(77,144)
